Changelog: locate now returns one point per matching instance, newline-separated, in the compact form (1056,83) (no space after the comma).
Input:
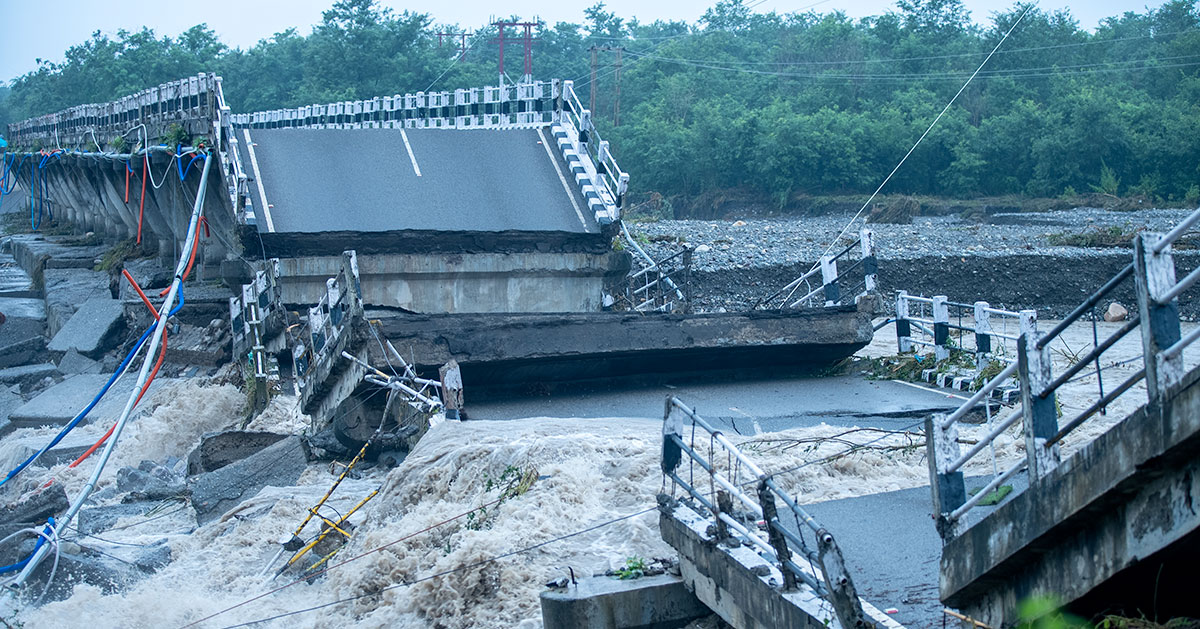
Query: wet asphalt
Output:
(366,180)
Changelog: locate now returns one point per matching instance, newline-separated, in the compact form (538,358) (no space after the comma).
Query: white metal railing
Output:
(596,172)
(1152,273)
(824,573)
(524,105)
(833,269)
(317,344)
(932,322)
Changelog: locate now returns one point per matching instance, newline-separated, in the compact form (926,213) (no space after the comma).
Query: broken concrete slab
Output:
(73,363)
(33,512)
(99,519)
(20,341)
(150,481)
(600,602)
(67,289)
(9,401)
(60,403)
(27,374)
(23,308)
(14,281)
(279,465)
(67,450)
(87,566)
(218,449)
(193,345)
(93,330)
(148,273)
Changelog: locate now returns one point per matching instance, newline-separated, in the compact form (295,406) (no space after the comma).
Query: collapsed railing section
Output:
(1152,271)
(317,345)
(933,322)
(824,571)
(256,316)
(838,279)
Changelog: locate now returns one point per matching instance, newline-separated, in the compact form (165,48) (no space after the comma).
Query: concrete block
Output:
(66,451)
(31,512)
(218,449)
(59,404)
(23,308)
(73,363)
(150,481)
(14,281)
(279,465)
(99,519)
(659,602)
(20,341)
(66,289)
(27,374)
(93,330)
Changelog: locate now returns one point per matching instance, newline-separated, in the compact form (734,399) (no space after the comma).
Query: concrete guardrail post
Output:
(983,335)
(949,490)
(903,325)
(1040,413)
(1155,275)
(941,328)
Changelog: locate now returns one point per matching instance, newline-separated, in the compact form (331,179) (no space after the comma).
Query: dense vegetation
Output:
(768,104)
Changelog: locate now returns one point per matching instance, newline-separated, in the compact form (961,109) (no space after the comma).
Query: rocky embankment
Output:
(1049,261)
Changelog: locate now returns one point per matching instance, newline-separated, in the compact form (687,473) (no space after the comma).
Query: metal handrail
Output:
(983,392)
(1183,285)
(987,489)
(1095,408)
(986,441)
(1082,363)
(1086,306)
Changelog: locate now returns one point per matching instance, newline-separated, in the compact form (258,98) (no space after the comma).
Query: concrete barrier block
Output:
(658,602)
(93,330)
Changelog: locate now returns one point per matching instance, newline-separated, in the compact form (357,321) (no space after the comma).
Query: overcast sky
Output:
(46,29)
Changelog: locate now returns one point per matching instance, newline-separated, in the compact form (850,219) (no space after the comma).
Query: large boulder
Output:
(279,465)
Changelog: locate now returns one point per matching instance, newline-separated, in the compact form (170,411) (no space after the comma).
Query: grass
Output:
(1113,236)
(993,497)
(114,258)
(634,568)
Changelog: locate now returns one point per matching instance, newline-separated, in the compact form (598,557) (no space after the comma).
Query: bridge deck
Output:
(377,180)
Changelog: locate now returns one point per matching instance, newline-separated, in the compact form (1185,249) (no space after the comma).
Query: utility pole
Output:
(462,42)
(617,98)
(592,86)
(592,82)
(528,41)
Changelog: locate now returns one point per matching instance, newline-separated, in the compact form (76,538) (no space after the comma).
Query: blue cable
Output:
(40,541)
(185,171)
(96,400)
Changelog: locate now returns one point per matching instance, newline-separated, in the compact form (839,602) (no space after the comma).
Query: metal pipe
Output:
(1082,363)
(795,539)
(143,375)
(758,472)
(985,441)
(989,488)
(1183,285)
(1006,313)
(1095,408)
(808,296)
(979,395)
(926,300)
(1174,234)
(807,519)
(1191,337)
(1087,305)
(719,479)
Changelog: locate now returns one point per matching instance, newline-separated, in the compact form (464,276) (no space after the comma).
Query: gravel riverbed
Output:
(1007,259)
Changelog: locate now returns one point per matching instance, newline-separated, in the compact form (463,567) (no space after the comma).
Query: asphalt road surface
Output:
(373,180)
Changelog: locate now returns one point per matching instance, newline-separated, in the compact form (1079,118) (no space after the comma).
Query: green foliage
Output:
(1110,183)
(115,257)
(177,136)
(510,483)
(1044,612)
(634,568)
(774,105)
(993,497)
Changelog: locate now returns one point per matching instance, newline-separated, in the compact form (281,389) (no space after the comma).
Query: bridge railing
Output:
(1152,272)
(254,317)
(933,321)
(318,344)
(491,107)
(822,568)
(828,284)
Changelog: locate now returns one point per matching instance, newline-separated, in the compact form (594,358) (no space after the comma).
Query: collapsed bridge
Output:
(476,225)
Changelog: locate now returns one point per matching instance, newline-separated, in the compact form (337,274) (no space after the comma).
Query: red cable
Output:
(127,171)
(161,354)
(142,203)
(191,260)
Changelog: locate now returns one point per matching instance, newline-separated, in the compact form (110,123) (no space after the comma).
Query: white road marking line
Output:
(567,188)
(416,169)
(266,209)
